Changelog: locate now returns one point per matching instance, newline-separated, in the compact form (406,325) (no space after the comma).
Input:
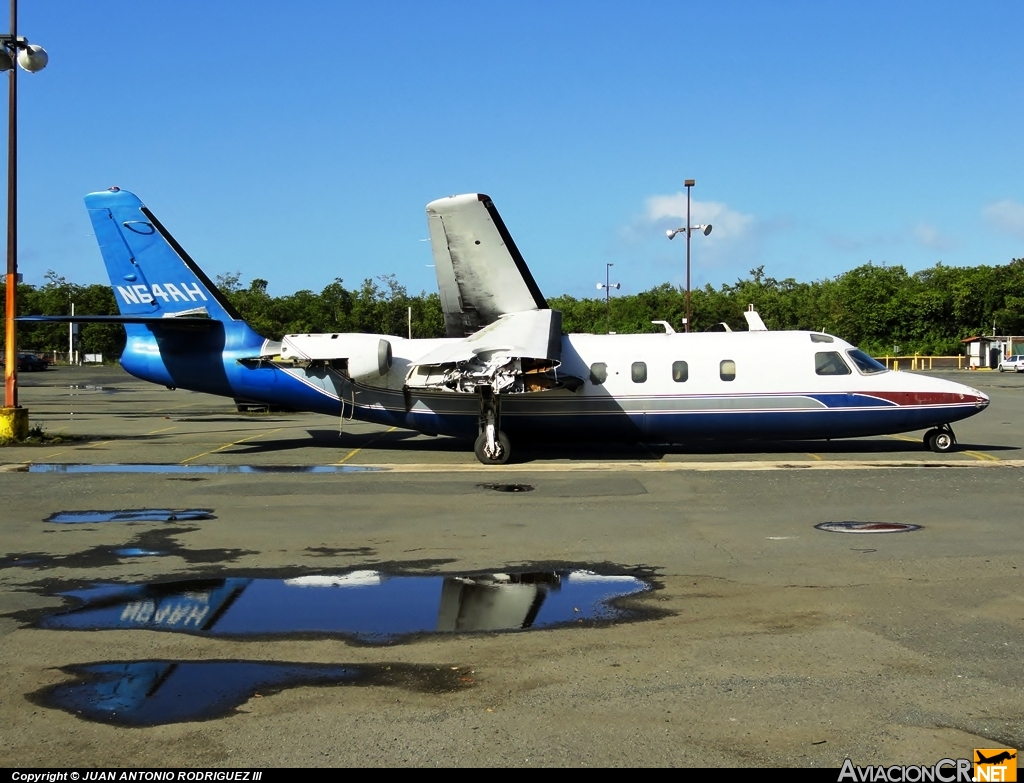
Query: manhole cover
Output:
(866,527)
(507,487)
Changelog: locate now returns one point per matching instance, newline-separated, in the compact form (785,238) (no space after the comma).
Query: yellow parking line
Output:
(229,445)
(65,451)
(817,457)
(906,437)
(352,453)
(983,456)
(154,432)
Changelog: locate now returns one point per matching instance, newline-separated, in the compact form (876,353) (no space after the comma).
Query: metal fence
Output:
(916,362)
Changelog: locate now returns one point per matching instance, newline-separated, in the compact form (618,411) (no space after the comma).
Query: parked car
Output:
(1015,363)
(27,362)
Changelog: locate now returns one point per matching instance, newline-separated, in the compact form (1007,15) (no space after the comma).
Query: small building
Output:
(982,352)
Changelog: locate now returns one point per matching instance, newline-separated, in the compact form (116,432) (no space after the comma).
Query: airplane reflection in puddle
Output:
(151,693)
(370,606)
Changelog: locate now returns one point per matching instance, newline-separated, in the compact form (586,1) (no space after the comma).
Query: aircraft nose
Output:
(981,399)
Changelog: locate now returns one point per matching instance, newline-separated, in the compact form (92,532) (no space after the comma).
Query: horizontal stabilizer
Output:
(162,320)
(481,274)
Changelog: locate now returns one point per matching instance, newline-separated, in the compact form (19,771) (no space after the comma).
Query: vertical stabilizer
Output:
(150,272)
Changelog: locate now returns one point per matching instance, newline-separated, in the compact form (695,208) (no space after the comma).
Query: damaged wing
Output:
(517,353)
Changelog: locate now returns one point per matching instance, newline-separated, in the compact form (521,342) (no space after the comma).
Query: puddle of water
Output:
(507,487)
(866,527)
(53,467)
(132,551)
(19,562)
(152,693)
(368,606)
(131,515)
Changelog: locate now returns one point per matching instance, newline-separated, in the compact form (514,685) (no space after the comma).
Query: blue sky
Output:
(300,141)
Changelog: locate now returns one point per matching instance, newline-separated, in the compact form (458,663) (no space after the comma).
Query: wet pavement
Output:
(735,633)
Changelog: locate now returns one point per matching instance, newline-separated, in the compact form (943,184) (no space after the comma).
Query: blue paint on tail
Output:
(153,276)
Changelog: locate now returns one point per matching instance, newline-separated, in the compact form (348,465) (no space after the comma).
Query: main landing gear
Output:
(941,440)
(492,446)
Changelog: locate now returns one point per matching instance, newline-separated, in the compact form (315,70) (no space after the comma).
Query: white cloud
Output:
(727,223)
(1007,216)
(929,236)
(733,248)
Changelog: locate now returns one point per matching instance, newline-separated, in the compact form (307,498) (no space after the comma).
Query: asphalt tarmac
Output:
(762,640)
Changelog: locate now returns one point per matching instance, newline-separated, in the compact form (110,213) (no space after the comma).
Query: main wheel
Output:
(505,449)
(940,441)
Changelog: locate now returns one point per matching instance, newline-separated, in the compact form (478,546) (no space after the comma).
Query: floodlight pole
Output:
(607,298)
(689,184)
(607,286)
(10,343)
(14,418)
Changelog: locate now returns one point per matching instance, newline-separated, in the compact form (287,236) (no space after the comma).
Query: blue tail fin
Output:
(182,332)
(150,272)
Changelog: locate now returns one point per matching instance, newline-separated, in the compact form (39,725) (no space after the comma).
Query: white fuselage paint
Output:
(768,363)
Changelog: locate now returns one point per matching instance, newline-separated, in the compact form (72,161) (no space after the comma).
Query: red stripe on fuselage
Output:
(925,398)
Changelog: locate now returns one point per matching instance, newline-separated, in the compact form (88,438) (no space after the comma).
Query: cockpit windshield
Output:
(865,363)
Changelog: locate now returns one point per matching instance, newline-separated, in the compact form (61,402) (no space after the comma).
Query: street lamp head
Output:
(600,286)
(671,233)
(690,183)
(705,229)
(33,58)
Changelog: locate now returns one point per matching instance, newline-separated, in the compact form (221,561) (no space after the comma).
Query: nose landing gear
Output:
(492,446)
(941,440)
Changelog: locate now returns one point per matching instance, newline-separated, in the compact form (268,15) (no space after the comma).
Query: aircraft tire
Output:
(481,441)
(940,441)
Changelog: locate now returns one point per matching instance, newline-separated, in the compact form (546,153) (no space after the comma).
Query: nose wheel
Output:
(941,440)
(496,453)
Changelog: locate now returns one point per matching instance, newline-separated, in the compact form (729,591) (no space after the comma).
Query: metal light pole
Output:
(15,50)
(706,229)
(607,293)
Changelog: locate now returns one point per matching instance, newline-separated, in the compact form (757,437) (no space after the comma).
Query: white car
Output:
(1015,363)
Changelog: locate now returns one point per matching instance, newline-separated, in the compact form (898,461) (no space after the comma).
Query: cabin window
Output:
(598,373)
(830,363)
(680,372)
(639,372)
(865,363)
(727,370)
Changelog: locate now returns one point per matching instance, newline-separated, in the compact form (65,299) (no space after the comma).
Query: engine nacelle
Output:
(367,356)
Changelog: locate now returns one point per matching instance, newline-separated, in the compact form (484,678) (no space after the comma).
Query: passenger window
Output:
(598,373)
(830,363)
(639,372)
(680,372)
(727,370)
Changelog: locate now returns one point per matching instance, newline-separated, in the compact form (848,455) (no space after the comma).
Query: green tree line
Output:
(875,307)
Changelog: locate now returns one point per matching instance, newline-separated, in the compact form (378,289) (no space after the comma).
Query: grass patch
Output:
(37,437)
